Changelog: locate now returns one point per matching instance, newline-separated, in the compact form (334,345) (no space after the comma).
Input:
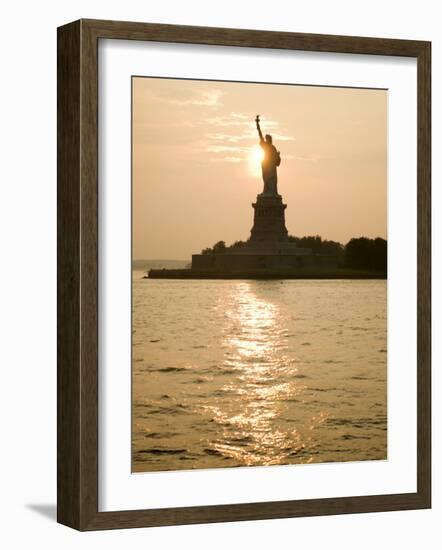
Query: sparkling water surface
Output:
(244,373)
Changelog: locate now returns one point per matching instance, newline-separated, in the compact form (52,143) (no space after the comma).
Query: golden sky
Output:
(196,164)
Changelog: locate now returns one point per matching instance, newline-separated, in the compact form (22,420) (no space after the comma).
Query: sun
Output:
(256,156)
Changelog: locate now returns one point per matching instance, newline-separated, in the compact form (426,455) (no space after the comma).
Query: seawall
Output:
(338,273)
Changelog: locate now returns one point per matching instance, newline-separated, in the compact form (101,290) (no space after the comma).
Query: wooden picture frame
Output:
(77,226)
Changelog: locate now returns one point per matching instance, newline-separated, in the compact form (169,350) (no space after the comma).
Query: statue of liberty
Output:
(271,160)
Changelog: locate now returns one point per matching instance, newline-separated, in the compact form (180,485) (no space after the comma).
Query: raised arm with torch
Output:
(258,127)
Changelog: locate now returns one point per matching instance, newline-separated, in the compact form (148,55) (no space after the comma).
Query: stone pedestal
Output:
(268,252)
(269,220)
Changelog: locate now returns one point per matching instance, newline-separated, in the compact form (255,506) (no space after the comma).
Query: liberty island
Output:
(269,252)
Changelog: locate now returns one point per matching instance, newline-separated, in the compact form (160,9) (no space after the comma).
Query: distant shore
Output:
(323,274)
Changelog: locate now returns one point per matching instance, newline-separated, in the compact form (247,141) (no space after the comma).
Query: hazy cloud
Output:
(239,132)
(226,159)
(207,98)
(225,148)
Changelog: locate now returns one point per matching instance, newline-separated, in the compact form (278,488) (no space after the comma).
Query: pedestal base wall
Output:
(261,262)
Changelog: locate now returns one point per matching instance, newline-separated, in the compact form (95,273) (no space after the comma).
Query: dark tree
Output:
(319,246)
(219,247)
(237,244)
(364,253)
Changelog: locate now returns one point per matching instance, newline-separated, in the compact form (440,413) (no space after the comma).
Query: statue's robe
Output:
(269,163)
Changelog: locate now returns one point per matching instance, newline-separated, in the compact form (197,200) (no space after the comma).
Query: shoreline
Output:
(326,274)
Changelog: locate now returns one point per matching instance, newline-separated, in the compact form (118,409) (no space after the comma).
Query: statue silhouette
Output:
(270,162)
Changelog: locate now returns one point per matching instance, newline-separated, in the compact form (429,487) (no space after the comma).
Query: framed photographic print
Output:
(243,274)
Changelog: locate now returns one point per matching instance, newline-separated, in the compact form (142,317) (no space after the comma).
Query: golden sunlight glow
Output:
(256,156)
(256,340)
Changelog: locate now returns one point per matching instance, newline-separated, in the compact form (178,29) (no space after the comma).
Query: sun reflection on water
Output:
(255,340)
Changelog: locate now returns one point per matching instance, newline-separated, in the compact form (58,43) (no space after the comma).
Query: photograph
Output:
(259,274)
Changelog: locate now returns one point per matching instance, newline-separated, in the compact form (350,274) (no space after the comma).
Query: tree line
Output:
(358,253)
